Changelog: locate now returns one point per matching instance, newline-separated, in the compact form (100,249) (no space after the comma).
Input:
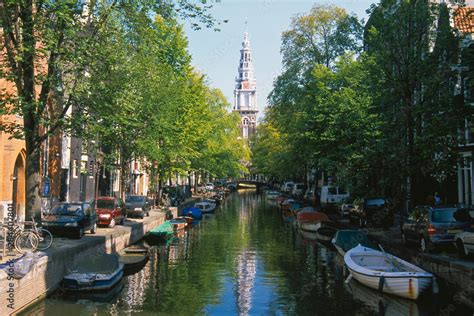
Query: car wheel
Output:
(404,239)
(94,229)
(112,223)
(80,233)
(142,216)
(461,250)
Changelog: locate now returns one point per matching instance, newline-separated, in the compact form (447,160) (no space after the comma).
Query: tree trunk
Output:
(33,180)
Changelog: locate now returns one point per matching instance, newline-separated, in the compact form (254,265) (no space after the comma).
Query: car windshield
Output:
(444,215)
(375,202)
(67,209)
(332,191)
(107,204)
(135,199)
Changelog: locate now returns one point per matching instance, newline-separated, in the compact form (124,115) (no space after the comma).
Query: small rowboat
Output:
(188,219)
(133,258)
(310,220)
(178,223)
(161,232)
(346,239)
(325,233)
(99,273)
(387,273)
(205,206)
(193,212)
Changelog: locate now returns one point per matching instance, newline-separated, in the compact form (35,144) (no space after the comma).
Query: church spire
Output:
(245,93)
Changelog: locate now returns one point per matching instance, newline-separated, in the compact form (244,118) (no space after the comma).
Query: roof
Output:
(464,19)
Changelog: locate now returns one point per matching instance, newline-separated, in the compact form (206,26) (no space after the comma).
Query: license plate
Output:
(454,231)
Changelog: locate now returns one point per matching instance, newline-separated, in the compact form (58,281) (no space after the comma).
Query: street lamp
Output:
(99,158)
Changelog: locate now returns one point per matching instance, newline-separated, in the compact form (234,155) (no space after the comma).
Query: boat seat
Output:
(382,268)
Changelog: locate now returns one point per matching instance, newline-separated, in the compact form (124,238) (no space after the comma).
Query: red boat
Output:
(309,214)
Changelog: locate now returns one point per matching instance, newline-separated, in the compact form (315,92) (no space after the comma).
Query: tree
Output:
(47,47)
(417,101)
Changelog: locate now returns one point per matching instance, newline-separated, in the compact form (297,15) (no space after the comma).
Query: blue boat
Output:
(193,212)
(94,273)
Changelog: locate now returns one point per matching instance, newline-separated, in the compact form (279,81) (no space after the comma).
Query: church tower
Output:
(245,93)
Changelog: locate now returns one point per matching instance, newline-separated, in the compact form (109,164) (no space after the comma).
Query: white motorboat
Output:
(272,195)
(387,273)
(205,206)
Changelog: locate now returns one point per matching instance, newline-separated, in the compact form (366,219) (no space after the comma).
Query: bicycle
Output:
(20,239)
(30,239)
(45,238)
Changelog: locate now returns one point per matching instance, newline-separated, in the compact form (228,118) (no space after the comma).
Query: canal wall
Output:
(47,273)
(454,275)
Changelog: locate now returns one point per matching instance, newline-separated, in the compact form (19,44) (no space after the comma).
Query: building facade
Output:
(245,93)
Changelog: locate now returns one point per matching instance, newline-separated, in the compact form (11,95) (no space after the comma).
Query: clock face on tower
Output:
(245,85)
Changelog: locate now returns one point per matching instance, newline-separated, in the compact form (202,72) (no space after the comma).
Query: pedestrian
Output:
(437,198)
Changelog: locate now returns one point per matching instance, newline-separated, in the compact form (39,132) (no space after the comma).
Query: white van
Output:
(332,195)
(288,187)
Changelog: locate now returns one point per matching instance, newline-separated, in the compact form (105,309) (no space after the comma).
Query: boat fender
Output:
(435,286)
(349,278)
(381,283)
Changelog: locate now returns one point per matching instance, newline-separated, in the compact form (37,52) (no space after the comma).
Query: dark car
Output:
(431,227)
(375,211)
(110,211)
(138,205)
(71,219)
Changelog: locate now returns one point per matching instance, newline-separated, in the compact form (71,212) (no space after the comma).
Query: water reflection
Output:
(244,260)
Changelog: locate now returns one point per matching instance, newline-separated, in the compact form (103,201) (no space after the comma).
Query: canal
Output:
(243,260)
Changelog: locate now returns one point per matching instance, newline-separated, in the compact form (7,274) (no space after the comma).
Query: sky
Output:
(217,54)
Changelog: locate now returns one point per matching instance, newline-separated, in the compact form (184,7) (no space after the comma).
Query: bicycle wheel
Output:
(45,238)
(26,241)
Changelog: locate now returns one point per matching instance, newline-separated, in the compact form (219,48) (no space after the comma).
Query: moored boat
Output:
(193,212)
(325,233)
(311,220)
(346,239)
(387,273)
(161,232)
(178,223)
(133,258)
(99,273)
(205,206)
(272,195)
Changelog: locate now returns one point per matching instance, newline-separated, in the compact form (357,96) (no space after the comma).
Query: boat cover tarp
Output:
(98,263)
(193,212)
(312,216)
(163,229)
(348,239)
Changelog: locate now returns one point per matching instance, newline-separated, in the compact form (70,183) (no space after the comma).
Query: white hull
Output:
(387,273)
(310,227)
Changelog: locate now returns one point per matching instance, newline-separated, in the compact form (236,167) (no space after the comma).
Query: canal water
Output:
(244,260)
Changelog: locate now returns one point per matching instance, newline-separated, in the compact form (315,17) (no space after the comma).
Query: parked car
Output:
(110,211)
(298,189)
(288,186)
(431,227)
(374,211)
(209,186)
(71,219)
(138,205)
(331,195)
(465,243)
